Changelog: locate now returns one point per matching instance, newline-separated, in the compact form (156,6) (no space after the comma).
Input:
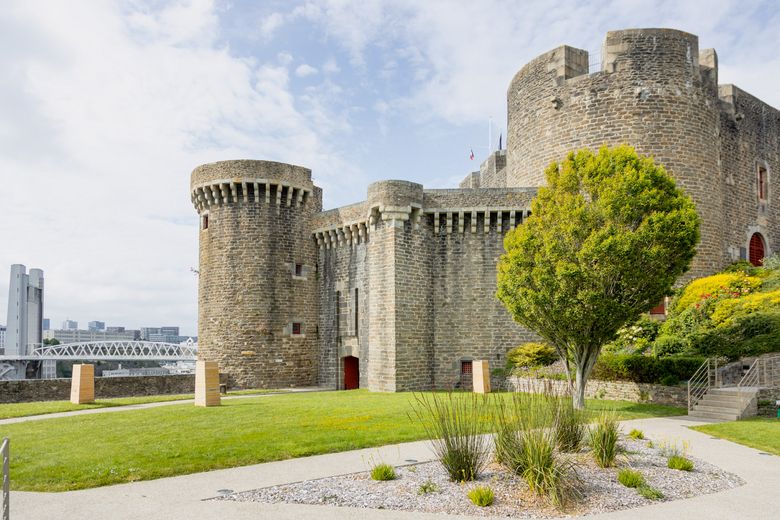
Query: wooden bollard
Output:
(207,383)
(480,373)
(82,384)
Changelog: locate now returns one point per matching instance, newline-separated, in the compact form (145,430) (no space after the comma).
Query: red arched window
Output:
(757,249)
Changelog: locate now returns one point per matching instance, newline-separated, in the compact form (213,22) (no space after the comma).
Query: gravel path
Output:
(601,492)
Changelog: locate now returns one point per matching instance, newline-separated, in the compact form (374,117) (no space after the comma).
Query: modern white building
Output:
(79,335)
(2,336)
(25,311)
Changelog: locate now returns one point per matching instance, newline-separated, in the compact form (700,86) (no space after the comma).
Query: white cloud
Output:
(305,70)
(330,66)
(99,130)
(270,24)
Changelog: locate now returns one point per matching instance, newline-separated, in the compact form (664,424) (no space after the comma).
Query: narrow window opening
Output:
(296,328)
(762,183)
(465,367)
(298,270)
(206,221)
(338,312)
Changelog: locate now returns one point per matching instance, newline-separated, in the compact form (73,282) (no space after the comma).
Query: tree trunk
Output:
(578,396)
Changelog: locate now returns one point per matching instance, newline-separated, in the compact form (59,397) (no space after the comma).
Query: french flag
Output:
(472,154)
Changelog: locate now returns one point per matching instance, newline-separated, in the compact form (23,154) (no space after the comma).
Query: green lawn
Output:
(8,411)
(762,434)
(99,449)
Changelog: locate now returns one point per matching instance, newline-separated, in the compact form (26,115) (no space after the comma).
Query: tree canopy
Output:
(606,240)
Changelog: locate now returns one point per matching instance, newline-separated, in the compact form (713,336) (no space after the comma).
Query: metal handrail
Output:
(5,449)
(701,381)
(764,372)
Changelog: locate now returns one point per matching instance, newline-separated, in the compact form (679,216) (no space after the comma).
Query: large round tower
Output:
(257,298)
(654,91)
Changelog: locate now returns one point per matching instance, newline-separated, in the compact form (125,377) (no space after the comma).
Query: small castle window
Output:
(465,367)
(297,328)
(762,183)
(298,270)
(205,221)
(357,320)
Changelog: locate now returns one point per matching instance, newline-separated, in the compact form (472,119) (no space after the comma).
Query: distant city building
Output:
(164,334)
(2,336)
(81,336)
(25,311)
(115,329)
(96,325)
(46,324)
(70,325)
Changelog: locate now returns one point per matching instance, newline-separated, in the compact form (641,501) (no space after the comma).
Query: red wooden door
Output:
(351,373)
(756,249)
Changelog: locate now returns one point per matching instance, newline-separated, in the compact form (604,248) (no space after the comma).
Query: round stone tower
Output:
(654,92)
(257,297)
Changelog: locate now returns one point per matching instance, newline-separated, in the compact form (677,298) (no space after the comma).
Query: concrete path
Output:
(125,408)
(183,497)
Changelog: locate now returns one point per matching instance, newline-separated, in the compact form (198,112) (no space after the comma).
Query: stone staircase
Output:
(728,404)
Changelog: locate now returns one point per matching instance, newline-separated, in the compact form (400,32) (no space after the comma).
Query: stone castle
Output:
(398,292)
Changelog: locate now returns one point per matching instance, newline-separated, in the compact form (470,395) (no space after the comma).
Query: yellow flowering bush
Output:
(726,310)
(726,285)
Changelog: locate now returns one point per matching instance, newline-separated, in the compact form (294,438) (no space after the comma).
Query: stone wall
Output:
(767,401)
(28,390)
(613,390)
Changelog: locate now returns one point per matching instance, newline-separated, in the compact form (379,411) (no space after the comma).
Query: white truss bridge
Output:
(111,351)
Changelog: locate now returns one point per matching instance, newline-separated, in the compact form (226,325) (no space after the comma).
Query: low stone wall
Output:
(59,389)
(767,402)
(614,390)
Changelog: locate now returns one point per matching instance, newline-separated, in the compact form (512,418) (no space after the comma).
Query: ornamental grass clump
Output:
(525,439)
(383,472)
(679,462)
(631,478)
(636,434)
(649,493)
(455,425)
(603,439)
(569,426)
(481,496)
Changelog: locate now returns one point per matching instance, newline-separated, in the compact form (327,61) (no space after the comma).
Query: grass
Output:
(649,493)
(12,410)
(383,472)
(630,478)
(679,462)
(762,433)
(636,434)
(481,496)
(93,450)
(603,439)
(427,487)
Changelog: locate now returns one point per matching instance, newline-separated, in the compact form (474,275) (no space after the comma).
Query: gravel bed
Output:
(601,492)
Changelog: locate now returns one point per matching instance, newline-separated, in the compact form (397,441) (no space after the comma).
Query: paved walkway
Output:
(183,497)
(125,408)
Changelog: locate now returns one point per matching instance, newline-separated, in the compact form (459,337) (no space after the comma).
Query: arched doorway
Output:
(351,373)
(757,249)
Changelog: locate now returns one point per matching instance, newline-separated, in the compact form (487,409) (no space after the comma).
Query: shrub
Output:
(427,487)
(635,338)
(650,493)
(455,423)
(603,439)
(636,434)
(383,472)
(481,496)
(532,355)
(569,426)
(741,266)
(669,345)
(630,478)
(730,284)
(679,462)
(670,380)
(644,369)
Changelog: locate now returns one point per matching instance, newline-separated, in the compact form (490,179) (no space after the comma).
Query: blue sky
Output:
(105,108)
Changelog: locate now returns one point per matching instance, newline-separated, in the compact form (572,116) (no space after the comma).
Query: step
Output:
(730,392)
(736,403)
(718,409)
(714,415)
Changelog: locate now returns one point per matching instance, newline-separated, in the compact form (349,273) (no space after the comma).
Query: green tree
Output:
(607,239)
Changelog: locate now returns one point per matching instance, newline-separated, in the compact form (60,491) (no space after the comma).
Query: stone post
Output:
(207,383)
(82,384)
(481,376)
